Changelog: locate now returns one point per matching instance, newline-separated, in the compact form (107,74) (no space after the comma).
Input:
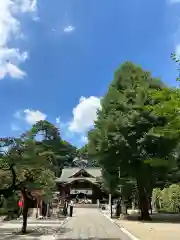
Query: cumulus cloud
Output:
(69,28)
(10,28)
(25,6)
(30,116)
(84,114)
(12,70)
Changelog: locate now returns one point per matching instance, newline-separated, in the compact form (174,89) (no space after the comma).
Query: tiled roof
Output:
(68,172)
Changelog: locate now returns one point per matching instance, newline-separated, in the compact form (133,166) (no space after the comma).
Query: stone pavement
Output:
(89,223)
(86,223)
(36,229)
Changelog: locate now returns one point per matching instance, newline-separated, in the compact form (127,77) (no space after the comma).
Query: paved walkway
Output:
(89,223)
(85,224)
(37,230)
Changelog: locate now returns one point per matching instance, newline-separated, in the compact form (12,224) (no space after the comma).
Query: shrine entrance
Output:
(81,195)
(80,184)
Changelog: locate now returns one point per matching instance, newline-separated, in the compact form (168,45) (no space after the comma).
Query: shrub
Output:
(168,199)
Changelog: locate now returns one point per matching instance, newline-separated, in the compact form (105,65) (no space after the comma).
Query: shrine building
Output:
(80,183)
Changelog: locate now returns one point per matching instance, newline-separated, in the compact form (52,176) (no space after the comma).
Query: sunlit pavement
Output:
(36,229)
(89,223)
(86,223)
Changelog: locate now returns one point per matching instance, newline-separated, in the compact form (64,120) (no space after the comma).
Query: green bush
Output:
(168,199)
(10,206)
(156,194)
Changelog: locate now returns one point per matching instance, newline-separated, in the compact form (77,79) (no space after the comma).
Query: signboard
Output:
(84,191)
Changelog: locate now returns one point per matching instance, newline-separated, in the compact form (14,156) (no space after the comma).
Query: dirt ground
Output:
(162,227)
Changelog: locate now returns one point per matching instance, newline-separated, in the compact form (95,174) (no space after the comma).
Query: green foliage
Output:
(137,130)
(62,152)
(31,163)
(156,198)
(125,132)
(83,152)
(45,182)
(176,59)
(167,199)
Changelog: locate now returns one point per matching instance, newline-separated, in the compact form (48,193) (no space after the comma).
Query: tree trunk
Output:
(118,208)
(133,204)
(25,216)
(143,200)
(150,205)
(123,207)
(27,198)
(110,204)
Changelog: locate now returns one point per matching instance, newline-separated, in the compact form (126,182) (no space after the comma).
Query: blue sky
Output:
(58,57)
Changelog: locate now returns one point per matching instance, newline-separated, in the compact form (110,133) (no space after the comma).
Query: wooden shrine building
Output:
(80,183)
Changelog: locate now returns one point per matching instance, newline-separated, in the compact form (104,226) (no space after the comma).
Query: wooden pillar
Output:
(62,195)
(37,207)
(110,197)
(41,206)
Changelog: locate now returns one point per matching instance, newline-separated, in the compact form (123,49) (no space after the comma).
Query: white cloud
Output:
(84,114)
(10,28)
(58,120)
(12,70)
(84,139)
(30,116)
(25,6)
(69,28)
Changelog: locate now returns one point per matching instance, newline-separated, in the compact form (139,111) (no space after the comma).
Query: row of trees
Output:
(27,164)
(136,135)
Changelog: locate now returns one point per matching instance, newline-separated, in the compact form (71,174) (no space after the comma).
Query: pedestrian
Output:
(65,208)
(118,208)
(20,204)
(71,205)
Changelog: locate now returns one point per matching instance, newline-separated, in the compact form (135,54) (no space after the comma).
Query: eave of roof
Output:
(69,172)
(70,180)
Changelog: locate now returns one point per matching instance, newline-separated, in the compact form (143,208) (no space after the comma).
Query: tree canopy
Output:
(27,164)
(136,131)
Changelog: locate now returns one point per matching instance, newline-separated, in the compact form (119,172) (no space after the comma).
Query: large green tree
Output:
(129,134)
(30,168)
(51,141)
(27,163)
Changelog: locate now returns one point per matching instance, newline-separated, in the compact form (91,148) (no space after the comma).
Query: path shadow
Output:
(37,222)
(32,233)
(156,218)
(94,238)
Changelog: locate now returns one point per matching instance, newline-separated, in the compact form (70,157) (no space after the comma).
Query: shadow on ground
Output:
(156,218)
(35,222)
(35,234)
(59,238)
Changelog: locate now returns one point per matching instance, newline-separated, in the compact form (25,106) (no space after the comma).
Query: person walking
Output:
(20,204)
(65,208)
(71,205)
